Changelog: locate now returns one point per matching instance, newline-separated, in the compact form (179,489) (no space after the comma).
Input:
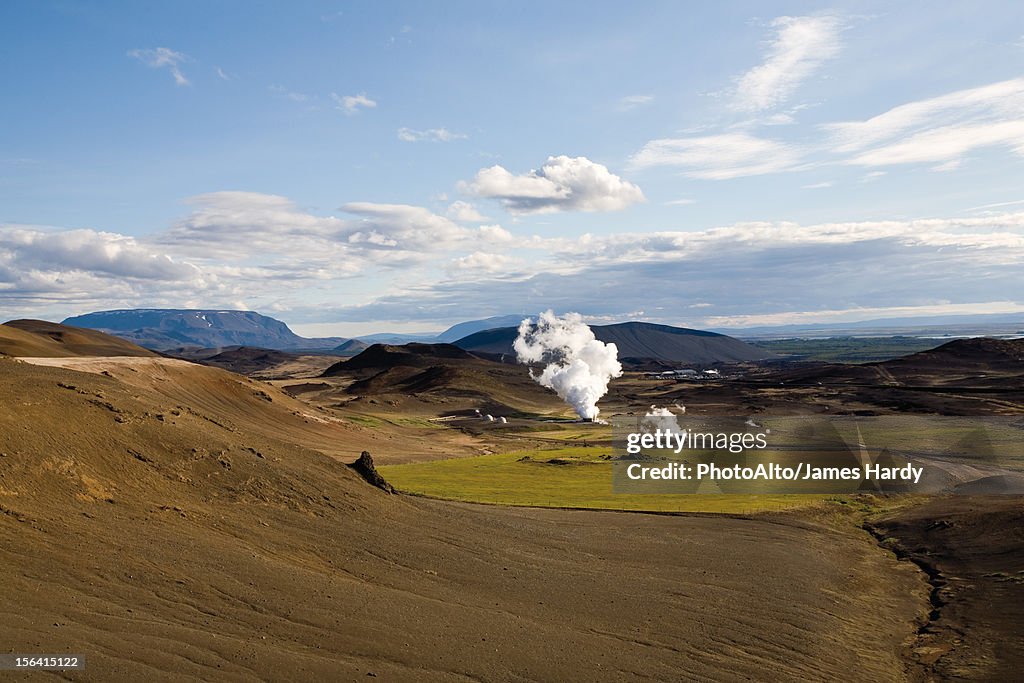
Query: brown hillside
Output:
(38,338)
(179,533)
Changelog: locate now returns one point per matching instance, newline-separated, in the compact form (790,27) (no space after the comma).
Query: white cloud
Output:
(1015,202)
(487,262)
(226,224)
(743,269)
(163,58)
(222,74)
(719,157)
(430,135)
(464,212)
(418,265)
(401,227)
(941,129)
(87,250)
(818,186)
(799,47)
(562,184)
(681,202)
(946,167)
(633,101)
(350,104)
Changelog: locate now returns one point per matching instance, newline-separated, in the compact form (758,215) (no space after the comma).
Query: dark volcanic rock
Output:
(412,355)
(364,466)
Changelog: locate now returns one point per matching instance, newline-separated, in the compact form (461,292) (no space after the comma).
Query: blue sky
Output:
(353,167)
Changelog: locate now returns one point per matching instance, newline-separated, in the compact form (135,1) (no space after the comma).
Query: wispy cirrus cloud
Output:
(163,58)
(351,104)
(798,48)
(429,135)
(940,130)
(719,157)
(292,95)
(634,101)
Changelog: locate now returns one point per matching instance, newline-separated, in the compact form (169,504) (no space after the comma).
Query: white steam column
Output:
(578,367)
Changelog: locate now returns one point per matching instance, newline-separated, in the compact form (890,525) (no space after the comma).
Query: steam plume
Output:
(578,366)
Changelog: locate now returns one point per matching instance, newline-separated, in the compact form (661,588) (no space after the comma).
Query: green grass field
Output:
(582,480)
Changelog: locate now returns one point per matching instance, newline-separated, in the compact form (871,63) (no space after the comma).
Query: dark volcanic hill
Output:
(351,347)
(980,362)
(413,355)
(636,340)
(171,328)
(246,360)
(41,339)
(443,373)
(982,354)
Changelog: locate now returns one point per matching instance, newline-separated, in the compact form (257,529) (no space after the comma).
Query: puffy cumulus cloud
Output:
(480,261)
(562,184)
(799,47)
(249,228)
(464,212)
(103,253)
(940,129)
(234,224)
(411,228)
(49,269)
(719,157)
(163,58)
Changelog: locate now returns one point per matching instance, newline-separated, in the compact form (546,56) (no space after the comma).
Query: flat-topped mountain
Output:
(162,329)
(637,340)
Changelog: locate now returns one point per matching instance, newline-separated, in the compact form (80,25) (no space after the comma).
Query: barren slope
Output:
(169,546)
(41,338)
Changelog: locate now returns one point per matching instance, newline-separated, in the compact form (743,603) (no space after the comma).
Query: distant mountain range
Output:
(635,341)
(164,329)
(457,332)
(174,329)
(453,333)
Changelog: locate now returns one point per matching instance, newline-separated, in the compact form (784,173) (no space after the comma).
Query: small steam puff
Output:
(579,366)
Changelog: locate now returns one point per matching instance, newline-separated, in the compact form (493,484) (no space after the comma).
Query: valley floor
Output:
(423,590)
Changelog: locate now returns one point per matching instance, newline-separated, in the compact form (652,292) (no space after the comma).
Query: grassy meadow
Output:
(571,477)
